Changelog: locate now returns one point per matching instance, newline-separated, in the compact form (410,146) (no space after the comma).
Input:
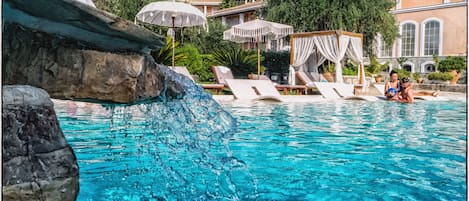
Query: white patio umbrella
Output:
(171,14)
(257,31)
(87,2)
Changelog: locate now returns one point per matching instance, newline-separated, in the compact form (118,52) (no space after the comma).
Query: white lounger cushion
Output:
(253,89)
(340,91)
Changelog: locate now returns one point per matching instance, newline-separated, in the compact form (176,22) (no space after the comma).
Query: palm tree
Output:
(164,55)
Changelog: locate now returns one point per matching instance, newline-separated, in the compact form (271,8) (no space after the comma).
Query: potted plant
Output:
(417,78)
(375,69)
(446,76)
(329,69)
(401,61)
(453,65)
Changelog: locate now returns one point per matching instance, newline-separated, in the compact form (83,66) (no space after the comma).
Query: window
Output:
(431,38)
(407,67)
(273,45)
(430,68)
(408,40)
(385,50)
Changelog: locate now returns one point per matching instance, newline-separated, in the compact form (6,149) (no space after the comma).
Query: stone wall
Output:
(461,88)
(38,164)
(66,69)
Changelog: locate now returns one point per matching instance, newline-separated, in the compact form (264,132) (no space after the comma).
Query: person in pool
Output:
(392,87)
(407,93)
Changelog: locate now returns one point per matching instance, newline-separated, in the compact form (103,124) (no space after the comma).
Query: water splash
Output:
(188,138)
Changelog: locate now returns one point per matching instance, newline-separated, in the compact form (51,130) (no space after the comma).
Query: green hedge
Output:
(276,62)
(440,76)
(452,63)
(197,64)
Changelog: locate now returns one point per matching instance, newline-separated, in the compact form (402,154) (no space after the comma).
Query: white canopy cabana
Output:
(309,50)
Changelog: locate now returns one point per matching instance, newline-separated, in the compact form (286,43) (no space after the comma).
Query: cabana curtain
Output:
(355,52)
(309,52)
(328,46)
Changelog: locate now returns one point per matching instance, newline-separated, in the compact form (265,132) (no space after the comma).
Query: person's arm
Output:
(409,96)
(386,87)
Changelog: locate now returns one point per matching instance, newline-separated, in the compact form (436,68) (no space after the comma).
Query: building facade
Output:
(427,28)
(243,12)
(208,7)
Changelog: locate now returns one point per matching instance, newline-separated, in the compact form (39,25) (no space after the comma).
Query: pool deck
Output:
(444,96)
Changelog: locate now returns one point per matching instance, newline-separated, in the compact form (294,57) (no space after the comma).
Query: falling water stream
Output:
(187,138)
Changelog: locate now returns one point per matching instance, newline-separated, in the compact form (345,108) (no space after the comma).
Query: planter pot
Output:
(328,76)
(420,80)
(378,79)
(455,77)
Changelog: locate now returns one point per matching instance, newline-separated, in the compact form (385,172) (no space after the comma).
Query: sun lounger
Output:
(216,87)
(346,91)
(221,74)
(335,91)
(253,90)
(379,87)
(326,90)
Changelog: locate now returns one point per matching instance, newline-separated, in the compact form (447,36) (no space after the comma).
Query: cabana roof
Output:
(333,32)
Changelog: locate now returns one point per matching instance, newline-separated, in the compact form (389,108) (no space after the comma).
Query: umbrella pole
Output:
(174,38)
(258,61)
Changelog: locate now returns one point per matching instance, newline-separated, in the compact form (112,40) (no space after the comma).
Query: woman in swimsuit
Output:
(393,87)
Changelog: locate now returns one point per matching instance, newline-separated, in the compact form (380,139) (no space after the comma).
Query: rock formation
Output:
(38,164)
(74,51)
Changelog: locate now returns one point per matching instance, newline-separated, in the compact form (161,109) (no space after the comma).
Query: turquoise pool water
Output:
(324,151)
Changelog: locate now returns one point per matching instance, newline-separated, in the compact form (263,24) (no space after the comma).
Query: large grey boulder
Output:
(38,164)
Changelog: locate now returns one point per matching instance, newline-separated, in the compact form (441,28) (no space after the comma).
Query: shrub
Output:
(276,62)
(350,69)
(164,55)
(452,63)
(375,67)
(416,76)
(196,63)
(440,76)
(239,61)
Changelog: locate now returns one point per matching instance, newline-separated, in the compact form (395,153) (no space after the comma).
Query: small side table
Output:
(299,89)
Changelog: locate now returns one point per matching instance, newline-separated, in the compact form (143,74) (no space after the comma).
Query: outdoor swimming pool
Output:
(324,151)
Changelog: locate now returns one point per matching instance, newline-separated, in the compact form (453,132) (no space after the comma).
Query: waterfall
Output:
(187,137)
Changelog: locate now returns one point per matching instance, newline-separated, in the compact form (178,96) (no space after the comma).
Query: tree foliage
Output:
(227,4)
(208,41)
(276,62)
(126,9)
(360,16)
